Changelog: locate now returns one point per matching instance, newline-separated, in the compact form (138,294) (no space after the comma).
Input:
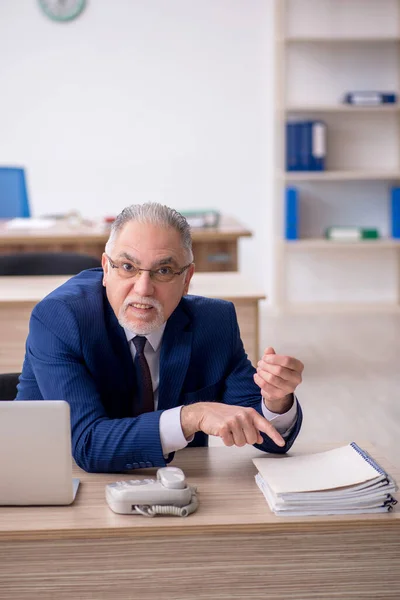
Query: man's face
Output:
(140,303)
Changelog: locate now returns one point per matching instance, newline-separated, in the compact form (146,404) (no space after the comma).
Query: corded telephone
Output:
(169,494)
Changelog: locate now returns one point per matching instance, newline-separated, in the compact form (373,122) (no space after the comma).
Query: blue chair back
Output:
(13,193)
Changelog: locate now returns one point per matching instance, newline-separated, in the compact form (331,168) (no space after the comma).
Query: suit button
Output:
(128,466)
(142,465)
(135,466)
(148,464)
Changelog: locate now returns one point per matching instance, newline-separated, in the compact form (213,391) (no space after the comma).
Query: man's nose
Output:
(143,285)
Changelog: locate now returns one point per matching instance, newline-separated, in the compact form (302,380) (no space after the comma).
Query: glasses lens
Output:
(126,270)
(163,276)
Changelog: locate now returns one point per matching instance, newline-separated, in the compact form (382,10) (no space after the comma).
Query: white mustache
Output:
(141,300)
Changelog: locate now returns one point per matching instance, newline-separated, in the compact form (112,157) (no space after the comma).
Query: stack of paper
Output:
(27,223)
(342,481)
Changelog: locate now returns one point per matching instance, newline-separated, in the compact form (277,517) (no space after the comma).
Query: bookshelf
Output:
(323,49)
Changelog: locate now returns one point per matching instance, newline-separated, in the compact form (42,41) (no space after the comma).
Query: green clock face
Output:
(62,10)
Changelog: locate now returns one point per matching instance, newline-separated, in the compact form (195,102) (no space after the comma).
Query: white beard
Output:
(135,325)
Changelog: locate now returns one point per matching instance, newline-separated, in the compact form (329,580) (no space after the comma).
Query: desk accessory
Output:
(202,218)
(169,494)
(345,480)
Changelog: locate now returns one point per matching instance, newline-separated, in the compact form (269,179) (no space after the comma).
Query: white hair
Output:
(156,214)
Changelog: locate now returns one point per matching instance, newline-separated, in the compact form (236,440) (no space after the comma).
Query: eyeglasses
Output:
(127,270)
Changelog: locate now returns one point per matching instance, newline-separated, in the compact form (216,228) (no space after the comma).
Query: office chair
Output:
(13,193)
(46,263)
(8,385)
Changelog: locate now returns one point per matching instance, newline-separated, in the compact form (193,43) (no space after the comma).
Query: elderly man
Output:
(146,368)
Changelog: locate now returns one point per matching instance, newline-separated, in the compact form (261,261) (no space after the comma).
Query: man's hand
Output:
(235,425)
(278,376)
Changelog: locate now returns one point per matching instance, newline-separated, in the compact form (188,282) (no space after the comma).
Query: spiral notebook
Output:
(345,480)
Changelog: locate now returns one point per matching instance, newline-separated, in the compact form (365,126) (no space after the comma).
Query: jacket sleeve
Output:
(99,444)
(241,389)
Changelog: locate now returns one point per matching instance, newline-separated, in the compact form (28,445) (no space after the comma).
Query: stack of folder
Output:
(345,480)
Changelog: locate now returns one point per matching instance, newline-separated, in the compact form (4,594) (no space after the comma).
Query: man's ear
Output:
(189,275)
(105,265)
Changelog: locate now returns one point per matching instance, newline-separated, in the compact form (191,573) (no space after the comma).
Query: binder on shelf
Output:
(305,145)
(317,145)
(292,146)
(291,214)
(349,234)
(395,211)
(370,98)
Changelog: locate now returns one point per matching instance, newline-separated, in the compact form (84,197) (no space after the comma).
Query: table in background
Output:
(18,296)
(232,547)
(214,248)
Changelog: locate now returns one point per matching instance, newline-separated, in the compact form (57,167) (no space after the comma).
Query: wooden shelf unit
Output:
(312,73)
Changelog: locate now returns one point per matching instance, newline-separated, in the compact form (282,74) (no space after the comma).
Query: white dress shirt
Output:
(171,434)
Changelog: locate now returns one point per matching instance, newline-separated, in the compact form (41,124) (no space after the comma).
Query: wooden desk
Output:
(215,249)
(18,296)
(232,547)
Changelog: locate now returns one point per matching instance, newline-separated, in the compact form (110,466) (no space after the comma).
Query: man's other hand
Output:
(278,376)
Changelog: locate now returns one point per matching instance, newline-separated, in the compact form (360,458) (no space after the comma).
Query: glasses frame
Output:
(152,272)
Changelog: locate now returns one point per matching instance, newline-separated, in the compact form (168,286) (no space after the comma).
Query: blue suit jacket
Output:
(77,351)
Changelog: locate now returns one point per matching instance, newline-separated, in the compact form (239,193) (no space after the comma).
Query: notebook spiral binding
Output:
(390,501)
(368,458)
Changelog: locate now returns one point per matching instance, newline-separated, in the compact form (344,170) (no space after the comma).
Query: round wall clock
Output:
(62,10)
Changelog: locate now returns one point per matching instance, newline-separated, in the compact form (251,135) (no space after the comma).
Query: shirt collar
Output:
(154,338)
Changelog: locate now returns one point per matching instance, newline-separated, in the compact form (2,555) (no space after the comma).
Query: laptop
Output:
(35,453)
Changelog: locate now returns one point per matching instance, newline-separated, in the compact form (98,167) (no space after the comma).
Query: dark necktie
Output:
(144,398)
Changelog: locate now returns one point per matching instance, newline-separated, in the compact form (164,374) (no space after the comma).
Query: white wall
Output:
(143,100)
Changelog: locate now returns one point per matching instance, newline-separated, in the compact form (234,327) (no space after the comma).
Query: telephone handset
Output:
(169,494)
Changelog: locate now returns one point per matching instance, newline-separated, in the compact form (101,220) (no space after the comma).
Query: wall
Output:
(168,100)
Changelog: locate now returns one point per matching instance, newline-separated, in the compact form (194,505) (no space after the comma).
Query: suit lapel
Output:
(175,357)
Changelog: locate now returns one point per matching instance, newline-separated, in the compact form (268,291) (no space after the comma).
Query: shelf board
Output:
(341,175)
(324,244)
(343,108)
(340,39)
(339,307)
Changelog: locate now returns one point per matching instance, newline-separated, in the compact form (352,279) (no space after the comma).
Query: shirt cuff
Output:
(171,434)
(282,422)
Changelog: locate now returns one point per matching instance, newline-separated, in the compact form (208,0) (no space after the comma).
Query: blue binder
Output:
(395,211)
(292,146)
(291,214)
(370,98)
(305,145)
(13,193)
